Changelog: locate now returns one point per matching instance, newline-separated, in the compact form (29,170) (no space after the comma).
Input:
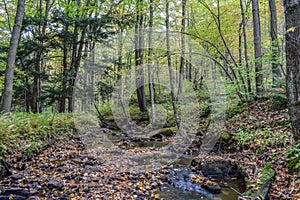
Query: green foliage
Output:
(293,155)
(32,149)
(242,137)
(168,132)
(234,110)
(205,111)
(259,139)
(105,110)
(279,100)
(26,131)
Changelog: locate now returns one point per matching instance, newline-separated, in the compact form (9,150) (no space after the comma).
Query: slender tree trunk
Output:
(182,56)
(62,105)
(139,71)
(75,67)
(257,47)
(171,75)
(150,63)
(246,49)
(292,10)
(189,74)
(120,54)
(274,44)
(240,58)
(12,52)
(8,15)
(38,59)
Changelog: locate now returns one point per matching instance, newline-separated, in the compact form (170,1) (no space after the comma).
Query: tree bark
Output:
(274,45)
(245,48)
(171,75)
(150,54)
(182,56)
(9,72)
(38,58)
(257,47)
(292,10)
(139,72)
(62,105)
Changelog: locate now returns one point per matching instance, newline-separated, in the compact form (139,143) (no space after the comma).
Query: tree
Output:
(292,10)
(182,56)
(150,54)
(39,55)
(257,46)
(274,44)
(171,75)
(139,71)
(245,47)
(9,72)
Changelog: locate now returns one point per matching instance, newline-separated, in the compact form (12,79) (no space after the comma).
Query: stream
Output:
(180,186)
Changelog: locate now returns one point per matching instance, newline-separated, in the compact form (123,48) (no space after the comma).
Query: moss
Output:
(164,134)
(262,185)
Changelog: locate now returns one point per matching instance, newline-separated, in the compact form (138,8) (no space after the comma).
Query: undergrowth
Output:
(27,132)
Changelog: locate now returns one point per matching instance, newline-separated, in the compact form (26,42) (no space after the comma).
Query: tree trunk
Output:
(139,71)
(171,75)
(245,48)
(292,10)
(38,58)
(120,54)
(182,56)
(75,67)
(274,45)
(150,54)
(9,72)
(62,105)
(257,47)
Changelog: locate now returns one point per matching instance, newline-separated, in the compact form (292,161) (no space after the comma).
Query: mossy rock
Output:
(166,133)
(263,184)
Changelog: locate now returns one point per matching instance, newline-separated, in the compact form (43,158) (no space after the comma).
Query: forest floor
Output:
(257,137)
(260,136)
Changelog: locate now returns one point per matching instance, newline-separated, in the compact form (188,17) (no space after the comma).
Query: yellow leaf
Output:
(292,29)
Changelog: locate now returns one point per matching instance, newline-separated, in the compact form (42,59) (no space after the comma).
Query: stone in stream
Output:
(216,168)
(212,187)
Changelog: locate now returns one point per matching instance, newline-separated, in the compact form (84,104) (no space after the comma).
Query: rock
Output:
(4,168)
(16,191)
(54,184)
(216,168)
(163,134)
(154,185)
(267,174)
(212,188)
(16,197)
(17,176)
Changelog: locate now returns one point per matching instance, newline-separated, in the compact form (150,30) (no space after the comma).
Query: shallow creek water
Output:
(182,188)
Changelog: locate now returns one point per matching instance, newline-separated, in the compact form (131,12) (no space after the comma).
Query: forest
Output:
(149,99)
